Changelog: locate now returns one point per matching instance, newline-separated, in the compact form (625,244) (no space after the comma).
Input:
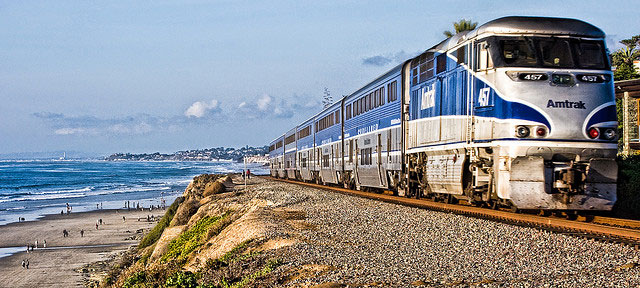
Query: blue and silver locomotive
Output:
(519,112)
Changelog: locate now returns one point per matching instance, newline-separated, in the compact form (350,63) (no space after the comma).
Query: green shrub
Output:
(183,280)
(135,280)
(145,257)
(628,204)
(231,256)
(270,266)
(224,221)
(180,248)
(157,230)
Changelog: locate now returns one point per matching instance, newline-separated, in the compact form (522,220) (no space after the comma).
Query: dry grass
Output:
(213,188)
(184,212)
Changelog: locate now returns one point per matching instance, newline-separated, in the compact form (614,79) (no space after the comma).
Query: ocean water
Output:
(32,189)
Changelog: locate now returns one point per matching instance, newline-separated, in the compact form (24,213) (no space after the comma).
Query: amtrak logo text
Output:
(566,104)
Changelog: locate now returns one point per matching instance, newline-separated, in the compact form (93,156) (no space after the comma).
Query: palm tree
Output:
(626,56)
(623,59)
(460,26)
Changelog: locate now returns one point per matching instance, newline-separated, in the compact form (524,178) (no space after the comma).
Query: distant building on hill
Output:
(220,154)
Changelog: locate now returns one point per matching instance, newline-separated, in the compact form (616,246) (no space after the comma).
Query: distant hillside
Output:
(211,154)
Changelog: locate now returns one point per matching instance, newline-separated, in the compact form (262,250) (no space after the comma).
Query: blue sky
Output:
(146,76)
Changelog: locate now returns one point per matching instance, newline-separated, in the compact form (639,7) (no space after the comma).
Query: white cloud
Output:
(129,125)
(270,107)
(199,108)
(70,131)
(263,102)
(137,128)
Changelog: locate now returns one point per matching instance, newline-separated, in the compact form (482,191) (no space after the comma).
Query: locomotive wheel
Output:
(571,215)
(409,193)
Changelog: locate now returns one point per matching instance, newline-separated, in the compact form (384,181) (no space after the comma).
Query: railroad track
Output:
(599,228)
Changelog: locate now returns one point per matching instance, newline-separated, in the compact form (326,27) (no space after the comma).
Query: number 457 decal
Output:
(484,97)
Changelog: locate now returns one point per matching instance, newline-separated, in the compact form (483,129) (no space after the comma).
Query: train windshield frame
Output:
(548,52)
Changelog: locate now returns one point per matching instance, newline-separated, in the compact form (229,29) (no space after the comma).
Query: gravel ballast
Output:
(362,242)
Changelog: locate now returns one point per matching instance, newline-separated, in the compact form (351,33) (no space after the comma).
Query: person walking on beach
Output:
(27,263)
(124,219)
(81,233)
(65,233)
(96,226)
(36,247)
(24,264)
(44,245)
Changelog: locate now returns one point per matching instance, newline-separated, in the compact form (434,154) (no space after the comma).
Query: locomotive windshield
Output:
(548,52)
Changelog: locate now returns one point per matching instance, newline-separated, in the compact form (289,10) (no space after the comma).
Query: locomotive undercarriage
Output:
(523,178)
(558,178)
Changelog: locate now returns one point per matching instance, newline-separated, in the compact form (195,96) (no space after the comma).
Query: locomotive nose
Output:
(578,105)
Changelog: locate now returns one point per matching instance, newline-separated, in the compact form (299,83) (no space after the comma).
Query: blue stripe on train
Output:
(606,114)
(452,84)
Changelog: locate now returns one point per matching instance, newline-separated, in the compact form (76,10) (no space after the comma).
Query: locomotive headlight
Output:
(609,134)
(522,131)
(593,133)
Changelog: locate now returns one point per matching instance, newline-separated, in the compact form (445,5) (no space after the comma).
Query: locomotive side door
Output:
(482,97)
(357,161)
(379,160)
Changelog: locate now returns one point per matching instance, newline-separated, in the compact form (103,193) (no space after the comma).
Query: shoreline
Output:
(58,264)
(110,205)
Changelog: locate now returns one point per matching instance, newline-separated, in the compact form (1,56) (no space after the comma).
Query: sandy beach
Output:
(57,264)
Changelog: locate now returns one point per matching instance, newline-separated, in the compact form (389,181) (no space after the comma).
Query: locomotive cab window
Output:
(590,54)
(518,53)
(542,52)
(556,53)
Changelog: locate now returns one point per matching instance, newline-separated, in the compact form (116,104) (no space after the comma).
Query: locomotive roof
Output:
(526,25)
(539,25)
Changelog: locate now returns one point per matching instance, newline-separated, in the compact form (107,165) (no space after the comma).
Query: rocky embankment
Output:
(282,235)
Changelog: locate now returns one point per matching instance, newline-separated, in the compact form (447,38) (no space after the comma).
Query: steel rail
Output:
(576,228)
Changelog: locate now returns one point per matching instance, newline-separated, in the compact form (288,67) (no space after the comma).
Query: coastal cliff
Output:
(211,236)
(274,234)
